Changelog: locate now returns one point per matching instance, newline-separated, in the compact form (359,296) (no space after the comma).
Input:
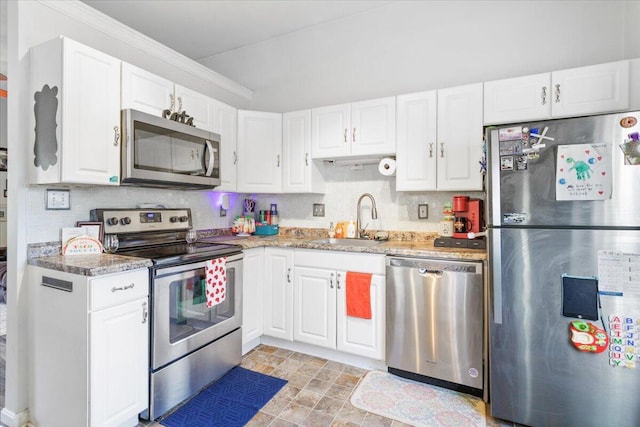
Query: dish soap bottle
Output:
(332,233)
(351,230)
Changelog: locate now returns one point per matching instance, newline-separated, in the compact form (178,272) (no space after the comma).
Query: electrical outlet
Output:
(318,209)
(423,211)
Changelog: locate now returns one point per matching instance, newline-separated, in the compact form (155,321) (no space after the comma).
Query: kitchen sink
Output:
(348,242)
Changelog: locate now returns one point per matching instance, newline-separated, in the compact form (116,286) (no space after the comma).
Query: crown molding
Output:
(107,25)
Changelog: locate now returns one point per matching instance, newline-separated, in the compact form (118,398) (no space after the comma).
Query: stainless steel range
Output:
(191,345)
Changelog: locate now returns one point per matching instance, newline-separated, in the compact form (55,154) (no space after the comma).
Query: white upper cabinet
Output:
(460,138)
(225,123)
(300,172)
(152,94)
(417,142)
(356,130)
(587,90)
(75,114)
(520,98)
(259,152)
(577,91)
(440,140)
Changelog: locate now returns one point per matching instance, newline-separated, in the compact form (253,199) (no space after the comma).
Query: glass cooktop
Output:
(180,253)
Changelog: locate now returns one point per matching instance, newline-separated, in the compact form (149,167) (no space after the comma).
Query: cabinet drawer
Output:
(118,288)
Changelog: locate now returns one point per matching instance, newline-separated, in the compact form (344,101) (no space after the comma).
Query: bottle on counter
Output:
(274,214)
(351,230)
(332,233)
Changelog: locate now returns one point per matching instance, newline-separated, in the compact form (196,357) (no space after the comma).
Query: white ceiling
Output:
(202,28)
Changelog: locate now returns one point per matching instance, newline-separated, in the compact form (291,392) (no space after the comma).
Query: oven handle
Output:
(161,272)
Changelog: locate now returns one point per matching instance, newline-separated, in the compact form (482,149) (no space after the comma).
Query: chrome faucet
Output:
(374,215)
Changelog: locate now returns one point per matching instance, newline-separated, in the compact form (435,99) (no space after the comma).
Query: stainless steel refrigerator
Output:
(564,247)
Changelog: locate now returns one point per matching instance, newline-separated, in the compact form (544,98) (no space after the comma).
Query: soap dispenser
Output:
(351,230)
(332,233)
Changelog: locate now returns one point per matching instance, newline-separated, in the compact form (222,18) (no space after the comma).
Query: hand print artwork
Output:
(583,172)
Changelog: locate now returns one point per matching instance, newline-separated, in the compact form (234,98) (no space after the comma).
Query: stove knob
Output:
(184,218)
(112,221)
(125,221)
(174,219)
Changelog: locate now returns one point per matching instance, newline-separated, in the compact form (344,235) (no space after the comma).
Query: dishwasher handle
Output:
(425,271)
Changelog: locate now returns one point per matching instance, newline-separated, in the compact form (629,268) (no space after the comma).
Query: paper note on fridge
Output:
(619,273)
(583,172)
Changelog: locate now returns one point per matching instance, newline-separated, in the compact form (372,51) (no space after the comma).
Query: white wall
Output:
(632,29)
(408,46)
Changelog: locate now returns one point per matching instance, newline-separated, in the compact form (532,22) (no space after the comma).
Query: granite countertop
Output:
(91,265)
(391,247)
(46,255)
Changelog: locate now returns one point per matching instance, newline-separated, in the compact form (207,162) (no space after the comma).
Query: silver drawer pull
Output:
(145,312)
(123,288)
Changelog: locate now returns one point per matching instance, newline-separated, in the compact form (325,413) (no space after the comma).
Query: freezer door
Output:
(537,377)
(522,188)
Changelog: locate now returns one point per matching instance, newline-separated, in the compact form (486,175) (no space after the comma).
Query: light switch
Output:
(58,199)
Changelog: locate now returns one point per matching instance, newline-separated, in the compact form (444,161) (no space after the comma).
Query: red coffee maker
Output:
(467,216)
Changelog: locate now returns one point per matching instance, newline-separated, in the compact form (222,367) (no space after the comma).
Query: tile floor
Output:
(318,392)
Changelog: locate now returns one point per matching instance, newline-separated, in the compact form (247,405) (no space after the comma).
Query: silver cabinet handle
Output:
(544,95)
(278,161)
(353,135)
(145,312)
(331,280)
(306,159)
(442,149)
(430,149)
(557,93)
(288,275)
(338,280)
(116,136)
(179,105)
(173,102)
(123,288)
(235,158)
(345,134)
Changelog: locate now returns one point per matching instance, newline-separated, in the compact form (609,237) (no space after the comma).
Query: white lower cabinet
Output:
(252,291)
(319,303)
(95,332)
(278,293)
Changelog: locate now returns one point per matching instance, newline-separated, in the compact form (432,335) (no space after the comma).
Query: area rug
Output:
(415,403)
(231,401)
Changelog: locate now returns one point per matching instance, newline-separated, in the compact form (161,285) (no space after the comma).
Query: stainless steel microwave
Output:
(159,152)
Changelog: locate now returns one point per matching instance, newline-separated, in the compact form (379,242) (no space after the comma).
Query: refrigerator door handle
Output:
(496,271)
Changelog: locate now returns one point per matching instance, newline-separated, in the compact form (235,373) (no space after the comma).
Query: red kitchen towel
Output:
(359,295)
(216,272)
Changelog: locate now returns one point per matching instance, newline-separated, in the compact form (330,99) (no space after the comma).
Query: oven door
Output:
(181,321)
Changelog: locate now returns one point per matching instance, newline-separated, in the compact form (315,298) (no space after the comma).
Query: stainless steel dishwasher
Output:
(435,322)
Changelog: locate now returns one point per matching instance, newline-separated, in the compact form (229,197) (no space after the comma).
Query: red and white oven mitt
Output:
(216,272)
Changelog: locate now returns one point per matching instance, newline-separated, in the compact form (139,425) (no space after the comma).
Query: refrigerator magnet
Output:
(521,163)
(587,337)
(509,134)
(506,163)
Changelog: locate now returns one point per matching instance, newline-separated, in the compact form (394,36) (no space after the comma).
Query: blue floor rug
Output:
(231,401)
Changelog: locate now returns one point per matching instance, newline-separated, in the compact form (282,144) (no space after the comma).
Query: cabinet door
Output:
(196,105)
(330,132)
(145,91)
(300,173)
(373,127)
(518,99)
(253,270)
(364,337)
(460,138)
(259,152)
(278,293)
(91,116)
(314,306)
(416,142)
(588,90)
(225,123)
(119,352)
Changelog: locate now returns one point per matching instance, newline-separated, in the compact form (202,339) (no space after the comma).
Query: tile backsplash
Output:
(344,185)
